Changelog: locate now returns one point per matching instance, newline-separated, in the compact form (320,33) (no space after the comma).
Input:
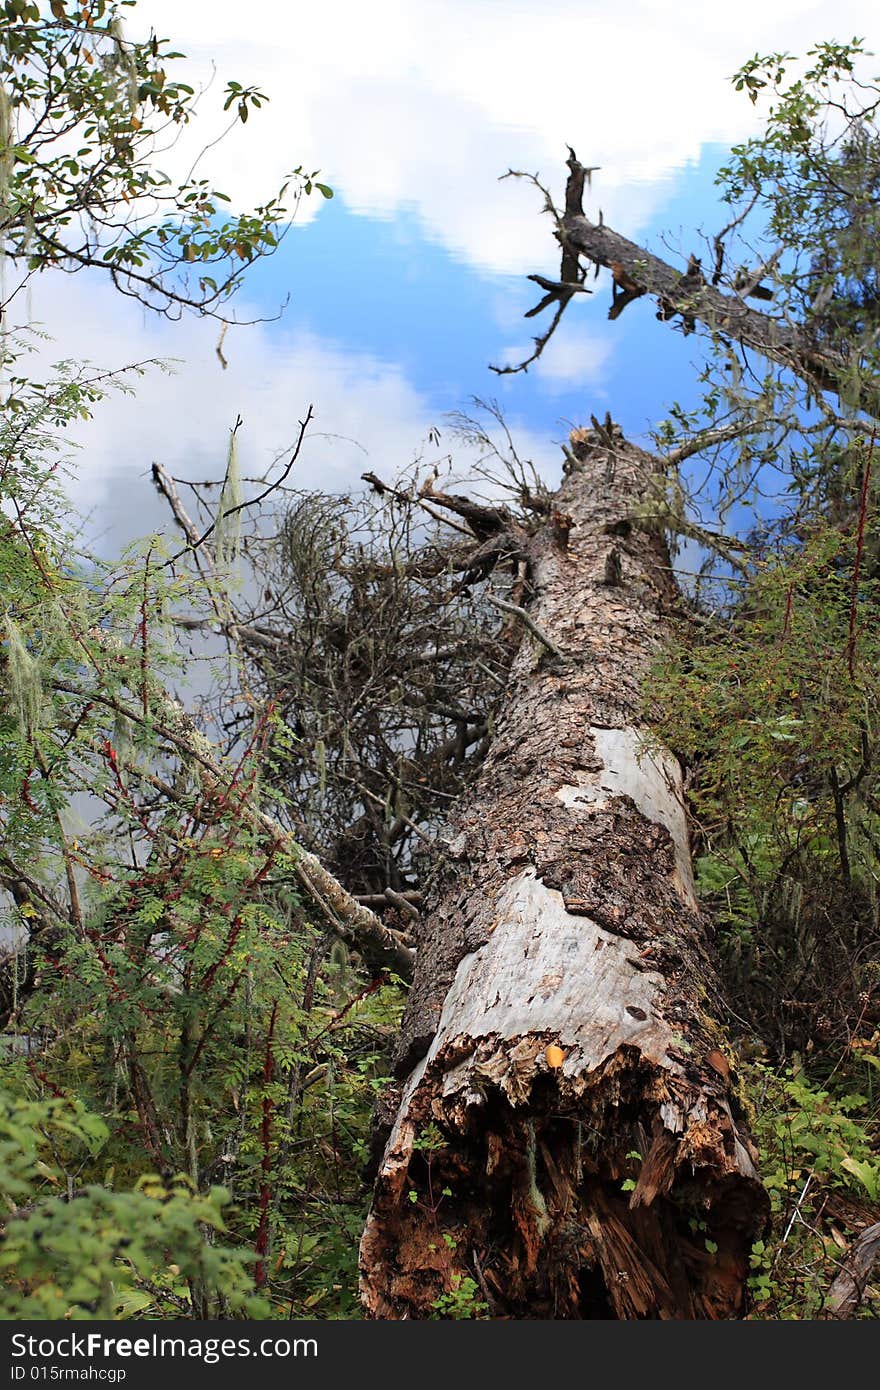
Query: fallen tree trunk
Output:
(567,1143)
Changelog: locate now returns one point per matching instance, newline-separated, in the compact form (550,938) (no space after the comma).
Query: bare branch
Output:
(848,1289)
(528,622)
(788,344)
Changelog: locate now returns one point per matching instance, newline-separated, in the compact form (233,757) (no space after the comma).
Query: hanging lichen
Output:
(321,764)
(7,143)
(22,680)
(7,166)
(227,528)
(124,62)
(123,737)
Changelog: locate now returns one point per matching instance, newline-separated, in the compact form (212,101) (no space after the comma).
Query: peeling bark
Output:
(562,1138)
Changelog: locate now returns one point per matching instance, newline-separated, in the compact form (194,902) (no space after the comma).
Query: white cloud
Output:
(367,415)
(574,357)
(426,102)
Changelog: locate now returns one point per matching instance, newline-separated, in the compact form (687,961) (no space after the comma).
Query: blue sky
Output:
(412,280)
(389,288)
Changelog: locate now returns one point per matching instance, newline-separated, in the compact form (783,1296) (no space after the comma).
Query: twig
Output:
(857,565)
(527,622)
(719,239)
(380,899)
(377,485)
(481,1280)
(572,274)
(196,542)
(407,907)
(165,484)
(797,1208)
(219,348)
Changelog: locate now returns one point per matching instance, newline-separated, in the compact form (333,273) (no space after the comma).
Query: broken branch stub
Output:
(563,1140)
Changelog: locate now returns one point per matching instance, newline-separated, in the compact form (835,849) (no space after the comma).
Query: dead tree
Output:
(567,1140)
(686,296)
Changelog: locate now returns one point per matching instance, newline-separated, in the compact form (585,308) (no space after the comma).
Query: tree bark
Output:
(568,1138)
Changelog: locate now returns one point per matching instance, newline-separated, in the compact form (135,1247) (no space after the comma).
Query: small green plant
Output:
(462,1301)
(820,1166)
(430,1140)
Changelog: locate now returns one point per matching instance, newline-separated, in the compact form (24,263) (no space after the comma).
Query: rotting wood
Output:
(620,1183)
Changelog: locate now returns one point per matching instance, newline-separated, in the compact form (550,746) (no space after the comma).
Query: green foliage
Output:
(814,172)
(780,443)
(773,707)
(430,1139)
(95,1252)
(83,110)
(809,1129)
(462,1302)
(174,981)
(820,1166)
(194,1056)
(776,711)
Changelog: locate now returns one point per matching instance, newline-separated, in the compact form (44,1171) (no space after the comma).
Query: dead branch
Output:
(528,622)
(683,294)
(845,1295)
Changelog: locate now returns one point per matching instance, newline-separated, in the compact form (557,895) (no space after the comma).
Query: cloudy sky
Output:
(411,281)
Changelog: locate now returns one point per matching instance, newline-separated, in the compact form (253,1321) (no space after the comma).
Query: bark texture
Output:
(567,1139)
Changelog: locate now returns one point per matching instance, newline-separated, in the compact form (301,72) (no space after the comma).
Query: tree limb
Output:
(848,1289)
(789,345)
(528,622)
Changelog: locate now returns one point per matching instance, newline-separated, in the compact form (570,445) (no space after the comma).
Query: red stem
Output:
(787,623)
(261,1245)
(860,545)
